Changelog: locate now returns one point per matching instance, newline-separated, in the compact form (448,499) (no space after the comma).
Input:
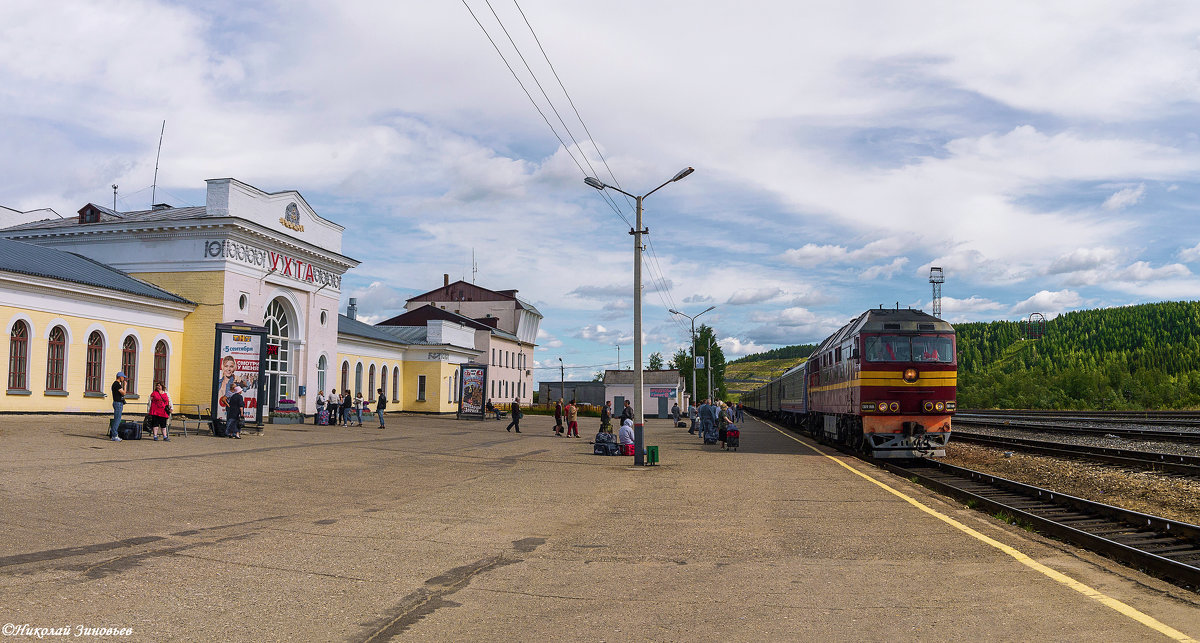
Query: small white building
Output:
(660,389)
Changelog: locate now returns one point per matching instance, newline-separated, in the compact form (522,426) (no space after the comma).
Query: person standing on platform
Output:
(347,407)
(558,418)
(606,415)
(516,416)
(118,396)
(572,420)
(693,415)
(331,403)
(359,402)
(380,405)
(675,413)
(627,413)
(320,407)
(160,412)
(233,414)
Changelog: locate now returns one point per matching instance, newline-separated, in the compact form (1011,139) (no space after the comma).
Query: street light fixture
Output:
(562,379)
(693,319)
(639,437)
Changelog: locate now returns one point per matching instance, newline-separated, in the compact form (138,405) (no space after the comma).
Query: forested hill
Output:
(1135,357)
(787,352)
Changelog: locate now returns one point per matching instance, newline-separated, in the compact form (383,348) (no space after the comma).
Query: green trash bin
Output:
(651,455)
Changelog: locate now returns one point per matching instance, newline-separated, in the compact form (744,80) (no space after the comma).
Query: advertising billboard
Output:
(239,359)
(474,385)
(662,392)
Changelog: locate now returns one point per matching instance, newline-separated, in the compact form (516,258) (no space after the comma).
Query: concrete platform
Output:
(435,529)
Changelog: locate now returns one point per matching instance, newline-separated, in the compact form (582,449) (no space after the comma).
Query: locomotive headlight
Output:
(894,406)
(950,406)
(928,406)
(868,406)
(910,375)
(882,406)
(941,406)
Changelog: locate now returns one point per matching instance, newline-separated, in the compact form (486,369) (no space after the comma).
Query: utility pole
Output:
(708,365)
(639,428)
(562,379)
(618,357)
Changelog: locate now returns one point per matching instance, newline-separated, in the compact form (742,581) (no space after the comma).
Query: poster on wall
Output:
(471,402)
(662,392)
(239,359)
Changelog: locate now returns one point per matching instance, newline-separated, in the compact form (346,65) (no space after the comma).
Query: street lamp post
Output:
(562,379)
(618,356)
(639,436)
(693,319)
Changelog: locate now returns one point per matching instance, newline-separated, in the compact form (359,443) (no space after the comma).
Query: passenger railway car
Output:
(883,384)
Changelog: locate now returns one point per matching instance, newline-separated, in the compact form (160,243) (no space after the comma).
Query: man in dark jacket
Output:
(627,412)
(233,414)
(516,416)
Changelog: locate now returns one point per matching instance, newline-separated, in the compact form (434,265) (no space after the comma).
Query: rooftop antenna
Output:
(474,266)
(114,197)
(154,185)
(937,279)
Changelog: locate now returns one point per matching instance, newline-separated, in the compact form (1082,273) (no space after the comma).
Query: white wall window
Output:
(322,366)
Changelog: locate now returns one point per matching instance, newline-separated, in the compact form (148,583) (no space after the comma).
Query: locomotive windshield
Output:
(903,348)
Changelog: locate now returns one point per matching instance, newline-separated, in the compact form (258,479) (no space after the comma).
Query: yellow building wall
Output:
(334,378)
(75,400)
(207,289)
(436,398)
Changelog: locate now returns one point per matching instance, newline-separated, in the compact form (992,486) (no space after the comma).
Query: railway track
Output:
(1143,418)
(1165,462)
(1140,434)
(1165,548)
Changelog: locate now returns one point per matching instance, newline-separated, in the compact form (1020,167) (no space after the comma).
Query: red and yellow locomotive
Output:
(883,384)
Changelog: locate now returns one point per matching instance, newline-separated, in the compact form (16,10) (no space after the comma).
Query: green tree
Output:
(656,362)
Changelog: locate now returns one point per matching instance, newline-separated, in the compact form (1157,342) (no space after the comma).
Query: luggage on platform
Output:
(129,430)
(681,424)
(323,417)
(733,436)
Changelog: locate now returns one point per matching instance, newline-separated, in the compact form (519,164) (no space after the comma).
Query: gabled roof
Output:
(28,259)
(421,316)
(413,335)
(649,378)
(463,291)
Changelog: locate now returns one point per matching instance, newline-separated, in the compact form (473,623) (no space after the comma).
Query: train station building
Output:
(86,296)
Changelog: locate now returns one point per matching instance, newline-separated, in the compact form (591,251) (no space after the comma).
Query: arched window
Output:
(279,362)
(56,358)
(371,379)
(129,364)
(160,362)
(345,376)
(358,378)
(383,379)
(322,365)
(18,357)
(94,370)
(395,383)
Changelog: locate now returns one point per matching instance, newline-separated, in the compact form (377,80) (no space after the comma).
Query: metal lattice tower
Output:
(937,279)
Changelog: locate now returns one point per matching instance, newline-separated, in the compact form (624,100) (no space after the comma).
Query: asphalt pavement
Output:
(439,529)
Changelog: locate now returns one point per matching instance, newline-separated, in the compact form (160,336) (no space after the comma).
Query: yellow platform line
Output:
(1024,559)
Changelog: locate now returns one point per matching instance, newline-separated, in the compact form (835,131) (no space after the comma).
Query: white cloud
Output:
(598,333)
(1050,304)
(753,296)
(1083,259)
(1125,198)
(1190,255)
(546,340)
(1142,271)
(810,255)
(972,304)
(885,271)
(734,347)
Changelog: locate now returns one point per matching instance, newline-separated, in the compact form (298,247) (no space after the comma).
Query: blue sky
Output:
(1045,155)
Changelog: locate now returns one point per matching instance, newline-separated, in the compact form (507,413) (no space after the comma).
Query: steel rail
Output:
(1150,418)
(1185,464)
(1145,434)
(1166,548)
